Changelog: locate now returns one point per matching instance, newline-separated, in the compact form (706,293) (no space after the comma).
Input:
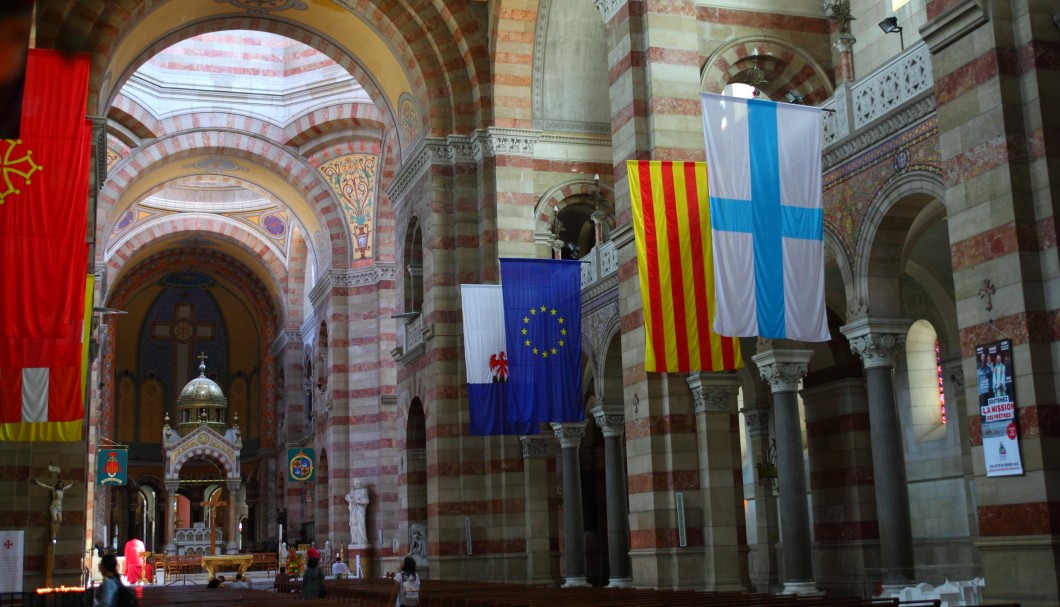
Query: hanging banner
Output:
(11,561)
(111,465)
(997,408)
(300,464)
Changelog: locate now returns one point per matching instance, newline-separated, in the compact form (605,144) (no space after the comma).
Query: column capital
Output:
(714,392)
(611,424)
(782,369)
(876,340)
(172,486)
(608,8)
(756,421)
(534,447)
(570,434)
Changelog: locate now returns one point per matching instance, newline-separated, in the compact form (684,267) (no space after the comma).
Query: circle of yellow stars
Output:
(546,312)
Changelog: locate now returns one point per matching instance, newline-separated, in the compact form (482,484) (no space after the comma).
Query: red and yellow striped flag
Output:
(671,221)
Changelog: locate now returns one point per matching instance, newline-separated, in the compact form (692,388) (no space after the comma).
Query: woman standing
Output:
(408,593)
(313,580)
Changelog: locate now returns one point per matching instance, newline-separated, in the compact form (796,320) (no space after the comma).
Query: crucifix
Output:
(985,292)
(213,534)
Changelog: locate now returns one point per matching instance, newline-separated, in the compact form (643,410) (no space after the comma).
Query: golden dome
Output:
(201,402)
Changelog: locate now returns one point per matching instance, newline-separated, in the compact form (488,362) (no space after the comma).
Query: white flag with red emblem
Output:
(11,551)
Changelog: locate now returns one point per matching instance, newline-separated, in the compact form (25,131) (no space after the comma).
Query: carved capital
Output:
(570,434)
(876,340)
(783,369)
(756,421)
(611,424)
(608,8)
(714,392)
(534,446)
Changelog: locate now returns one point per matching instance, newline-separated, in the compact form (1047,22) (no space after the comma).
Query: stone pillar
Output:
(720,480)
(170,497)
(877,341)
(570,436)
(540,563)
(845,70)
(782,370)
(764,569)
(613,427)
(232,518)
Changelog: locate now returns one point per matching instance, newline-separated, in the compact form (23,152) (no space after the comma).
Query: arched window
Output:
(926,396)
(413,257)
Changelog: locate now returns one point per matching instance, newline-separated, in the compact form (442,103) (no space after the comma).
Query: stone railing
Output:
(900,81)
(196,540)
(600,263)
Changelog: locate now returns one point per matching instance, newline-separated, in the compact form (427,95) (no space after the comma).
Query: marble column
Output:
(720,466)
(878,341)
(763,560)
(570,435)
(783,370)
(613,427)
(232,518)
(171,516)
(540,563)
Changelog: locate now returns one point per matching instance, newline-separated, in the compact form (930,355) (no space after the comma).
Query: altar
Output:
(226,562)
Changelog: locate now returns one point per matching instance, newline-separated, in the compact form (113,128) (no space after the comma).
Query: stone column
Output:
(540,564)
(845,70)
(763,557)
(720,467)
(570,436)
(232,518)
(171,514)
(878,341)
(782,370)
(613,427)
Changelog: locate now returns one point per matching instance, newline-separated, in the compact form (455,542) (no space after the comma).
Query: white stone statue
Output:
(358,500)
(418,544)
(283,554)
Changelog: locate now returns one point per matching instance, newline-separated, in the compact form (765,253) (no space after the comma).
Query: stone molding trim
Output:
(608,8)
(756,421)
(612,425)
(952,24)
(359,277)
(454,149)
(877,341)
(283,339)
(534,447)
(881,131)
(570,434)
(783,369)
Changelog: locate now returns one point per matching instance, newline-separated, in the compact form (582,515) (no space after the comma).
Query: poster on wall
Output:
(997,408)
(11,560)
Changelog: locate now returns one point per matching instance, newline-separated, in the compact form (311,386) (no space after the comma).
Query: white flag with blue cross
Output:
(764,176)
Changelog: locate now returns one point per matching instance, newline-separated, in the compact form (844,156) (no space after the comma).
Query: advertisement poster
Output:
(997,408)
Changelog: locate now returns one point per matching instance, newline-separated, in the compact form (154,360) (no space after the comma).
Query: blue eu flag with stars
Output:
(542,322)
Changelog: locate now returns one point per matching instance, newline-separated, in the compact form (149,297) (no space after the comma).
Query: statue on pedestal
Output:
(358,500)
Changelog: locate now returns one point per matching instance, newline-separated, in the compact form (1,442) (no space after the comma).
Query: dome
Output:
(201,402)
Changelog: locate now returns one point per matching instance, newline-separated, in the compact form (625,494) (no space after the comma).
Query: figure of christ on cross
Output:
(213,527)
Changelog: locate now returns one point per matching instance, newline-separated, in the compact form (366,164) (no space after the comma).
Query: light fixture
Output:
(767,469)
(755,76)
(890,26)
(793,97)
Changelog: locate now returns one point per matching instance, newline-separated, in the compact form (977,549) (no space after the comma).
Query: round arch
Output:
(786,68)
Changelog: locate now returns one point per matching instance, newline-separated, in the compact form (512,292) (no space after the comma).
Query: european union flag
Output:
(542,322)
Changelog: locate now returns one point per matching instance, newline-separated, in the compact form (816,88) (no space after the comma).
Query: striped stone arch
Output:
(341,144)
(323,121)
(888,221)
(207,224)
(432,39)
(263,304)
(135,117)
(227,459)
(786,68)
(236,144)
(221,120)
(559,196)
